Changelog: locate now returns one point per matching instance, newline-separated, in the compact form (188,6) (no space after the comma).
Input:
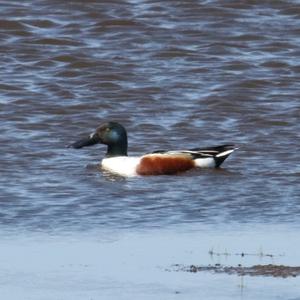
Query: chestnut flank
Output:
(164,164)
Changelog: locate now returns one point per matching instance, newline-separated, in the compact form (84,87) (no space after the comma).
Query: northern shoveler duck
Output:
(159,162)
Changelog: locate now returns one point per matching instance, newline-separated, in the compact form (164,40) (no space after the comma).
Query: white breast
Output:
(122,165)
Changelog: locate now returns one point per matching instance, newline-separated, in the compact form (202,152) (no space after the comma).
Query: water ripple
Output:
(177,75)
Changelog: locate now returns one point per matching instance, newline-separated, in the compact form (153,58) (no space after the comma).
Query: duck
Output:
(159,162)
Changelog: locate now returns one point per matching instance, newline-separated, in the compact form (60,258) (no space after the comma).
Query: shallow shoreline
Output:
(133,265)
(255,270)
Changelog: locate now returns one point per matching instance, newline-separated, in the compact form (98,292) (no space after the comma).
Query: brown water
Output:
(176,74)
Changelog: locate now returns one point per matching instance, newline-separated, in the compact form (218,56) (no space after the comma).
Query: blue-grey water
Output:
(176,74)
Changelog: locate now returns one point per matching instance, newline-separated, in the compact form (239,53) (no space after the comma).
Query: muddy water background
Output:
(176,74)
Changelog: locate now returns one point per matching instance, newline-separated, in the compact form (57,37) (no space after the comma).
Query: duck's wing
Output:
(212,155)
(215,150)
(204,157)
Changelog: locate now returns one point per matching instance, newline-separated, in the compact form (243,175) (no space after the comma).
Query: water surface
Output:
(176,74)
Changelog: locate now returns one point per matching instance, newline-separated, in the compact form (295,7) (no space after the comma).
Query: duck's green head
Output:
(111,134)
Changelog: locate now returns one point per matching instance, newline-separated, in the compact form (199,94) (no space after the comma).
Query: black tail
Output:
(219,153)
